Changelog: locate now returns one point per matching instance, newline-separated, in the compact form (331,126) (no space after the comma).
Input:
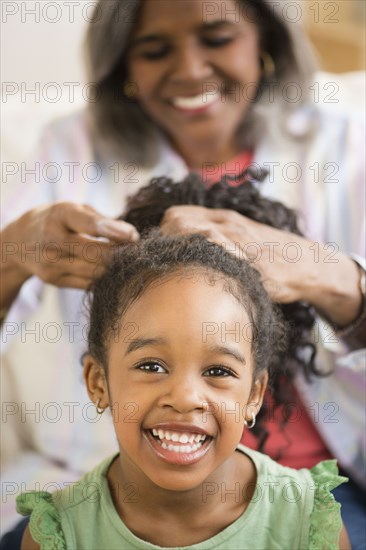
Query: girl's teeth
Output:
(177,437)
(181,448)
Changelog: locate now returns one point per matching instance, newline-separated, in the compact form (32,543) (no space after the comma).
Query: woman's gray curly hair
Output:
(125,126)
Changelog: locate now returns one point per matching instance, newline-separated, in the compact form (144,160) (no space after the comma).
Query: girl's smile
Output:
(178,443)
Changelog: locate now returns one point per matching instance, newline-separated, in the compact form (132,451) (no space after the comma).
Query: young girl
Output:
(182,337)
(282,422)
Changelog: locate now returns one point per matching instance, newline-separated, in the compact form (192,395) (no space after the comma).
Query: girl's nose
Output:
(191,64)
(183,395)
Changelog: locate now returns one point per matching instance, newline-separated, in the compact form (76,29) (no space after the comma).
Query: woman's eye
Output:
(155,54)
(217,42)
(151,367)
(218,372)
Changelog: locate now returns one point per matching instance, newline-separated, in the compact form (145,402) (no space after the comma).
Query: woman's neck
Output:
(193,515)
(198,156)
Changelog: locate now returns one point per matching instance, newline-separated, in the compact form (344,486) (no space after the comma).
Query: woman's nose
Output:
(191,64)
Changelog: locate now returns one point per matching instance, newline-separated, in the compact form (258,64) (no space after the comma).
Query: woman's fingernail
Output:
(112,228)
(135,235)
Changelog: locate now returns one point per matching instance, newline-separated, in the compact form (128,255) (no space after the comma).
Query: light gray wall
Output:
(34,49)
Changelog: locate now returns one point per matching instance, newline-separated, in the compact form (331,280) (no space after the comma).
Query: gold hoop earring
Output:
(130,89)
(268,65)
(252,424)
(98,408)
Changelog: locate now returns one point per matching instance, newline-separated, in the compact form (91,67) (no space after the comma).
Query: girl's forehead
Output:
(188,311)
(193,292)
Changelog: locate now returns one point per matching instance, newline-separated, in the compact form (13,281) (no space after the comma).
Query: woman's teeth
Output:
(194,440)
(195,102)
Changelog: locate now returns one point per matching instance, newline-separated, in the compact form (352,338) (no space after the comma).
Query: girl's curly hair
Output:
(146,209)
(156,258)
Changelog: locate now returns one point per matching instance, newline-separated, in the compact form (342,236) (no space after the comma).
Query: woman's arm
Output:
(12,276)
(58,243)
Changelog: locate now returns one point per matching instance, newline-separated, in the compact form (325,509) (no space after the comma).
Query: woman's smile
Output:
(198,103)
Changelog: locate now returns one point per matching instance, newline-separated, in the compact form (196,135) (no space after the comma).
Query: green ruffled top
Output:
(290,509)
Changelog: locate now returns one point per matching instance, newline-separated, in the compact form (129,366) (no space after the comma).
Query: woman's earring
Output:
(252,424)
(98,408)
(130,89)
(268,65)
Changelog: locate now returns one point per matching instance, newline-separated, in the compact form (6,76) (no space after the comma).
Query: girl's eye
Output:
(217,42)
(151,367)
(219,372)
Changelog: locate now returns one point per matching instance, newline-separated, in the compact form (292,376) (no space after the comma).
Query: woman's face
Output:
(180,379)
(196,66)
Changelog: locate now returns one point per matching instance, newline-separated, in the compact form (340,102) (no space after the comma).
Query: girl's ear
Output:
(96,382)
(256,395)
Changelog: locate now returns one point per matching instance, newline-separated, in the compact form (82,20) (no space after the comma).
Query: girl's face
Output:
(196,66)
(180,379)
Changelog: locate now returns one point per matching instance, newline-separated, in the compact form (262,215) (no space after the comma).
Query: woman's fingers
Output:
(267,249)
(64,243)
(77,257)
(56,271)
(85,219)
(91,251)
(71,281)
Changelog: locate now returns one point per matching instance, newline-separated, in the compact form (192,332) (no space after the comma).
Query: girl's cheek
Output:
(130,413)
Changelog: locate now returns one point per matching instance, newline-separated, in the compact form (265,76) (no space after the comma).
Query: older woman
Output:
(189,85)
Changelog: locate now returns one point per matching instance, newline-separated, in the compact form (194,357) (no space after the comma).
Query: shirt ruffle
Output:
(325,522)
(45,521)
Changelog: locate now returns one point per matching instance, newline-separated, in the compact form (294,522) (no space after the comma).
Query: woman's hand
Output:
(58,243)
(292,268)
